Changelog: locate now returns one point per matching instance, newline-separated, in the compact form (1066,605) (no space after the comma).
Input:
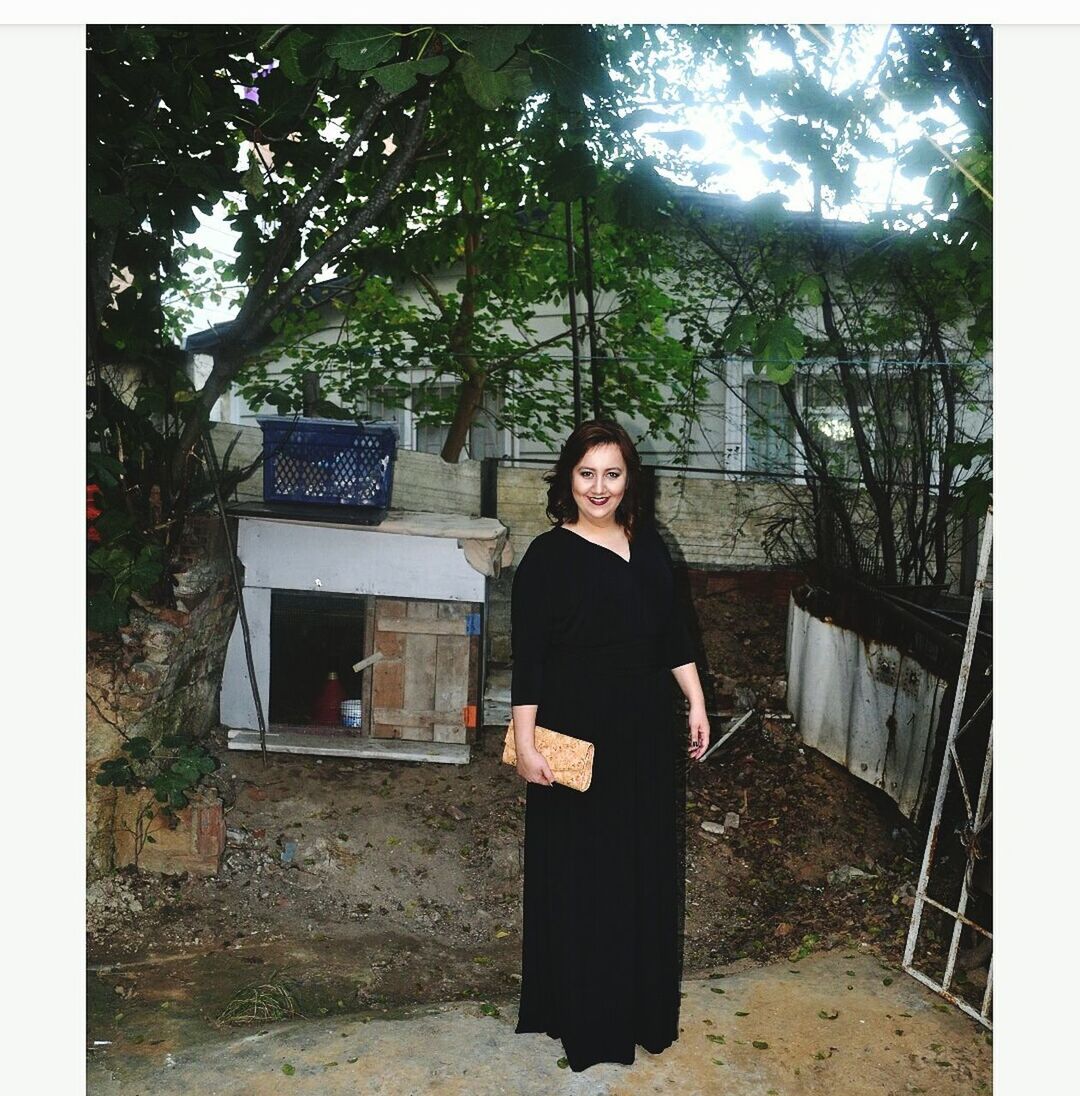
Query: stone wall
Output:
(161,676)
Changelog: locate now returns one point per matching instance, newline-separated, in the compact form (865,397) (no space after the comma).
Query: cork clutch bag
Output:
(571,759)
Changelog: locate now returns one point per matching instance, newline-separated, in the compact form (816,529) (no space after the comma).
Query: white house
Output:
(742,427)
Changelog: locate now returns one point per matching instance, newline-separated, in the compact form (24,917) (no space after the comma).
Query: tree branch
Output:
(256,316)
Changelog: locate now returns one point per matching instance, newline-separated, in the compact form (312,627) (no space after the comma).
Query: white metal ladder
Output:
(977,817)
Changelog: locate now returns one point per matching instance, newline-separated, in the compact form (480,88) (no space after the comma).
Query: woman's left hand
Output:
(699,731)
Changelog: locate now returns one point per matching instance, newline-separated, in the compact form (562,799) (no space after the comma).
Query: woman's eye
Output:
(613,475)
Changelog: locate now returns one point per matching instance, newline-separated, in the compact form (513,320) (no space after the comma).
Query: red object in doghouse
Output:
(327,709)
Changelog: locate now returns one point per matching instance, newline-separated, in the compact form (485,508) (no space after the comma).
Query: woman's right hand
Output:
(533,767)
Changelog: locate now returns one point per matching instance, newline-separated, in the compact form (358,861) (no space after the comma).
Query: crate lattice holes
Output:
(328,462)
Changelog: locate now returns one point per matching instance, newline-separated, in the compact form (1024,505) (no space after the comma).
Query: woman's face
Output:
(598,481)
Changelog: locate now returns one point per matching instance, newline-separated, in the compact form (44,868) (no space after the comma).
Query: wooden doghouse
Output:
(410,591)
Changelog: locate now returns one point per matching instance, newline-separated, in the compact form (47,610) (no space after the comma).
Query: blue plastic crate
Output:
(328,462)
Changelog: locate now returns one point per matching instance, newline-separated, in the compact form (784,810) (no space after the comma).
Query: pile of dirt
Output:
(742,639)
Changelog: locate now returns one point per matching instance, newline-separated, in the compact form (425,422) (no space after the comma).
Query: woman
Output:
(597,635)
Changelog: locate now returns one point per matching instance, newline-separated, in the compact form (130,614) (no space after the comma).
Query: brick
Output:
(196,844)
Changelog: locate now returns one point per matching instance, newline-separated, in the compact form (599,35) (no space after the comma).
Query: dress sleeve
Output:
(529,628)
(678,646)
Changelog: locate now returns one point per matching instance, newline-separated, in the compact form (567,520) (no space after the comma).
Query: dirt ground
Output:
(372,886)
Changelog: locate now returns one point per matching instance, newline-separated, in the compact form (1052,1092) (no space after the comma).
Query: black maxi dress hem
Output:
(580,1063)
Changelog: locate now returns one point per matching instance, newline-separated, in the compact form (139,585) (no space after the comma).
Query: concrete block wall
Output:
(709,524)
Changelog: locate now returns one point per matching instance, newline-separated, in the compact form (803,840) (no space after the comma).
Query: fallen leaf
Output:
(760,1044)
(828,1015)
(288,1069)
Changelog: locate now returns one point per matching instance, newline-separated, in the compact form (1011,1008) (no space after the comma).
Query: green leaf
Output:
(572,175)
(495,47)
(189,770)
(289,55)
(288,1069)
(139,747)
(105,615)
(360,49)
(811,289)
(394,79)
(108,210)
(491,89)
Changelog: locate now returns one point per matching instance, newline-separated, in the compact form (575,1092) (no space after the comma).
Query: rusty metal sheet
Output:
(865,704)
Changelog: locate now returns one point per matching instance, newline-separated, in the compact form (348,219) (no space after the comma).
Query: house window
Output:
(483,437)
(770,430)
(382,410)
(829,421)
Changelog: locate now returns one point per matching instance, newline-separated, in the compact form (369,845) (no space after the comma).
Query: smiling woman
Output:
(597,635)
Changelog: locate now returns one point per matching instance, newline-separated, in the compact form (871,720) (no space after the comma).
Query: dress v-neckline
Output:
(602,547)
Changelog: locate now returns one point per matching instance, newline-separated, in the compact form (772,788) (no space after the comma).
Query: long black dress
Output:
(594,639)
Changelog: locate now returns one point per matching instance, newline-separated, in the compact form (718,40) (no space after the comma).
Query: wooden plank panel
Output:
(444,732)
(473,666)
(384,730)
(423,610)
(404,717)
(367,676)
(392,644)
(423,626)
(391,607)
(452,674)
(419,663)
(388,684)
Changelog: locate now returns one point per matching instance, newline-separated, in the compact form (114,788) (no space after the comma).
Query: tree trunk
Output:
(470,397)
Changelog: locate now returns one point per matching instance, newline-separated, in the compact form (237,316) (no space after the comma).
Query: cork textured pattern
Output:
(571,759)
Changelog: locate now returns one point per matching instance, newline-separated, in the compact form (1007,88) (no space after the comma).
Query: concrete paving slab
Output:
(839,1023)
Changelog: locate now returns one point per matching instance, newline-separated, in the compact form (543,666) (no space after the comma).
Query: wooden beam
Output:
(351,746)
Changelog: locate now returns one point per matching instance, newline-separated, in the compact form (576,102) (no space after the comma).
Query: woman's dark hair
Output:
(561,506)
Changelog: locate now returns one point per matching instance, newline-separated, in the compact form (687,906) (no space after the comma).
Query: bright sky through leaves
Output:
(853,61)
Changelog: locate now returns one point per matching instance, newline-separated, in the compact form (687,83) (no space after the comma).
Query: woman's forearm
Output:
(524,727)
(690,683)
